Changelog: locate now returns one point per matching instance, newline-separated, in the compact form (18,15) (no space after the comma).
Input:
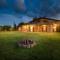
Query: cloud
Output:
(20,5)
(32,8)
(45,8)
(3,3)
(13,4)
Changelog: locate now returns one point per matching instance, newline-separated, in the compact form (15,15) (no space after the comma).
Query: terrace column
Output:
(31,28)
(44,28)
(54,27)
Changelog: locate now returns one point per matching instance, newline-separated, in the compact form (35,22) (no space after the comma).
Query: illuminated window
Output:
(31,28)
(54,27)
(44,27)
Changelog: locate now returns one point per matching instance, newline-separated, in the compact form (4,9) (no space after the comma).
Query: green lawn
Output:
(47,48)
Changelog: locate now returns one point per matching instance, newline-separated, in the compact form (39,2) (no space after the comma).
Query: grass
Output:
(47,48)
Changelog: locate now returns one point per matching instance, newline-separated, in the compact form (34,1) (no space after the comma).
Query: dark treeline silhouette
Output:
(11,28)
(8,27)
(5,28)
(20,24)
(14,27)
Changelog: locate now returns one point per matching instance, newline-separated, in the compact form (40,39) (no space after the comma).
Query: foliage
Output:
(14,27)
(5,28)
(20,24)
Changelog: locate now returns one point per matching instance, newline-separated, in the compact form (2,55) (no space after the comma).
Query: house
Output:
(40,25)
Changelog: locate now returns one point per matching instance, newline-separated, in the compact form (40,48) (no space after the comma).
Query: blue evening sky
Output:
(25,10)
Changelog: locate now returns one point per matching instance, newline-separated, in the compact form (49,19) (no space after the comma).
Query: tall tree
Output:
(20,24)
(14,27)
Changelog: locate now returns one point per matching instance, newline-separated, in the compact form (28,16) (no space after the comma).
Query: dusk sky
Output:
(25,10)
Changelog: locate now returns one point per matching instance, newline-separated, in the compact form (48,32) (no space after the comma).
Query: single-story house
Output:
(40,25)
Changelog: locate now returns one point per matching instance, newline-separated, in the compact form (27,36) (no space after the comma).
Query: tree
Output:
(1,28)
(20,24)
(6,28)
(14,27)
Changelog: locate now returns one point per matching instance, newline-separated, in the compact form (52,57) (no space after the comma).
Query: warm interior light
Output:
(24,28)
(19,29)
(31,28)
(44,27)
(54,27)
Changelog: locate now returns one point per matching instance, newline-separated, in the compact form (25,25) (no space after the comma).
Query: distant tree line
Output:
(11,28)
(5,28)
(8,28)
